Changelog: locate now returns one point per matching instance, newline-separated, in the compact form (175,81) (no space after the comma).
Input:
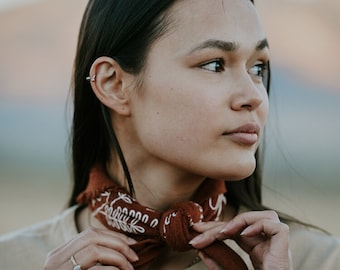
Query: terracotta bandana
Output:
(118,211)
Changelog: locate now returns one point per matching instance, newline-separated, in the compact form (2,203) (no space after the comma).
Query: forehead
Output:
(230,20)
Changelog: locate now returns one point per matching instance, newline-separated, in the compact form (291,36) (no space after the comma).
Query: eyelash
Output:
(261,71)
(261,68)
(218,61)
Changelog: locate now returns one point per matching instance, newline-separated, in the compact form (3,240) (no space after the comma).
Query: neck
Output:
(161,194)
(157,183)
(157,186)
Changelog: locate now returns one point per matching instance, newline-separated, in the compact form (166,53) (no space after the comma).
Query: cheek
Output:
(264,110)
(170,119)
(164,137)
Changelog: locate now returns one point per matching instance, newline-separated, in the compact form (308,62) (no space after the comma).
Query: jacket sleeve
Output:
(313,249)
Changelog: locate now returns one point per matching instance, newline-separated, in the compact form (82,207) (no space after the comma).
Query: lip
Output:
(247,134)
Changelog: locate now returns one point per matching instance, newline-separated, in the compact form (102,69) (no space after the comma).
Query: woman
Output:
(170,104)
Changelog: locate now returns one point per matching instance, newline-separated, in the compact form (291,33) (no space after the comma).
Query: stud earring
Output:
(92,79)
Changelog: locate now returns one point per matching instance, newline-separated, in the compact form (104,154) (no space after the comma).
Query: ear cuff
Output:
(92,79)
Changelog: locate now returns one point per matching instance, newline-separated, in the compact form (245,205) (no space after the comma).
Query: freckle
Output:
(158,113)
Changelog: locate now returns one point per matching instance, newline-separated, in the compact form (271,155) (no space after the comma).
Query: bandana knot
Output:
(176,225)
(113,206)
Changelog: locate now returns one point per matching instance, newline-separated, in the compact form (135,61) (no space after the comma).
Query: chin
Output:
(237,172)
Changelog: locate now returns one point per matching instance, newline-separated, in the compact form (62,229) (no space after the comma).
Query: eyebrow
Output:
(227,46)
(217,44)
(262,44)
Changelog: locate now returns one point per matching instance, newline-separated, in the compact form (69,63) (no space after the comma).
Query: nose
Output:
(247,94)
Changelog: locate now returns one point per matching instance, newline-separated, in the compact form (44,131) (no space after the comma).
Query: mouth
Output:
(247,134)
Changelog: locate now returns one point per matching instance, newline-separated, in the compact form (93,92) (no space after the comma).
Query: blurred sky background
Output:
(302,165)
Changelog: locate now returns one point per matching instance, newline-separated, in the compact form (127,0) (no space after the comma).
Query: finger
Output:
(92,235)
(104,236)
(205,226)
(113,240)
(93,256)
(240,222)
(221,230)
(89,237)
(103,267)
(210,232)
(267,232)
(278,233)
(98,267)
(268,227)
(273,249)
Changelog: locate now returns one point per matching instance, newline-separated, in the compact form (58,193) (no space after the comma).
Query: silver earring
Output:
(93,79)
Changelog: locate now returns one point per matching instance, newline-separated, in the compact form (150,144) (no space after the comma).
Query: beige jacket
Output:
(28,248)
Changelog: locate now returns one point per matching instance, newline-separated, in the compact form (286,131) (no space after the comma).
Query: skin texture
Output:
(258,233)
(188,100)
(176,126)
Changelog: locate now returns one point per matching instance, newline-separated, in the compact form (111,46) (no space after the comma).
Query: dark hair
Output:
(124,30)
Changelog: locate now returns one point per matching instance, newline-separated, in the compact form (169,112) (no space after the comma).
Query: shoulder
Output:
(312,248)
(31,245)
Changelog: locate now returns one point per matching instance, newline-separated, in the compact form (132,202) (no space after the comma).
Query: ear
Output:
(108,81)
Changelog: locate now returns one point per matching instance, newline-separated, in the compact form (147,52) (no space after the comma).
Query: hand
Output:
(259,233)
(93,248)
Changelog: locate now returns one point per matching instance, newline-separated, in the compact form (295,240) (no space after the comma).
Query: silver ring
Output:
(76,266)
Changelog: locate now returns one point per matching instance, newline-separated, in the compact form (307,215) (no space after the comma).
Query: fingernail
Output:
(226,228)
(134,256)
(246,231)
(131,241)
(197,223)
(196,239)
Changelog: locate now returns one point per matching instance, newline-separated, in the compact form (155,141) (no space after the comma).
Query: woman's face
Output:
(203,105)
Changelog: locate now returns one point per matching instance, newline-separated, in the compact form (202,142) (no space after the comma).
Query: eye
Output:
(259,70)
(216,65)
